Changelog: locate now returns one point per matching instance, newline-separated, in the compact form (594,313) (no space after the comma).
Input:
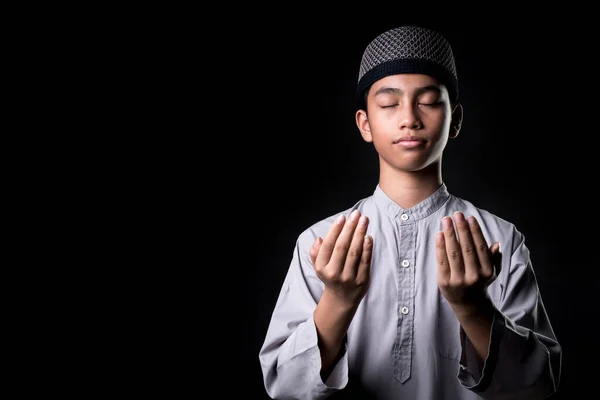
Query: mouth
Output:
(410,142)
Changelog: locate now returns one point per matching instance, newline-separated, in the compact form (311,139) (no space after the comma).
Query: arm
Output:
(332,320)
(303,355)
(342,262)
(524,355)
(509,348)
(289,357)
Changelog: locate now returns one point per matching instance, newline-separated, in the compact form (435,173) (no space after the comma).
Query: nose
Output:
(409,118)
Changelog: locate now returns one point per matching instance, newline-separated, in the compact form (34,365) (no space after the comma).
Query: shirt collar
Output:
(416,212)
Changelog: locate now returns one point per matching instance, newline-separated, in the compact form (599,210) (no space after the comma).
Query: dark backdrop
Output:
(524,153)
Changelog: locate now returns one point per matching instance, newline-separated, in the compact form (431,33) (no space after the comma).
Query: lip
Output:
(410,142)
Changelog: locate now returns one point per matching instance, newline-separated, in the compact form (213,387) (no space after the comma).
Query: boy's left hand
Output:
(466,265)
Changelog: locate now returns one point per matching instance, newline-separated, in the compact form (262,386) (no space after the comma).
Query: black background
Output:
(525,153)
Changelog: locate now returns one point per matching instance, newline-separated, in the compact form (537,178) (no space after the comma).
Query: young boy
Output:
(412,293)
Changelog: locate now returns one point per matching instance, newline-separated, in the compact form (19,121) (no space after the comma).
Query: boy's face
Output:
(408,120)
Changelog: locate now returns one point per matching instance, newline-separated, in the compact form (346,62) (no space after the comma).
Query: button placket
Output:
(404,335)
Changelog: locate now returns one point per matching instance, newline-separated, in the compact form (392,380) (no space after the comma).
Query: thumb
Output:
(496,258)
(495,248)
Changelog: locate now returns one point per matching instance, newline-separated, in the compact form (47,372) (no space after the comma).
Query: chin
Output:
(416,166)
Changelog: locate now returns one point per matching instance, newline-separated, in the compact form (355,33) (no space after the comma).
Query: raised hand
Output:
(342,260)
(466,265)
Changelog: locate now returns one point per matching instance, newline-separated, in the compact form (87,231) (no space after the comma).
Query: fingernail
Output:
(362,222)
(459,216)
(447,222)
(439,237)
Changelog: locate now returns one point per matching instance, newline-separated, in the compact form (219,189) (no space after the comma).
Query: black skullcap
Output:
(408,49)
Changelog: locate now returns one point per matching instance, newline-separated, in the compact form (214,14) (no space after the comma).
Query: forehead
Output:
(407,82)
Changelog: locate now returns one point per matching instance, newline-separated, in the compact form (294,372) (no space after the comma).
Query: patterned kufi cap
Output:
(408,49)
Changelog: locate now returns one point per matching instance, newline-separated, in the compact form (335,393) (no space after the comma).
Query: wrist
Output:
(475,309)
(337,303)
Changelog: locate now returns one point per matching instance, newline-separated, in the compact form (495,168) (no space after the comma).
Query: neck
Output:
(409,188)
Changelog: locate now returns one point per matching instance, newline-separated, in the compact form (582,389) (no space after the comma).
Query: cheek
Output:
(445,125)
(382,122)
(439,125)
(438,145)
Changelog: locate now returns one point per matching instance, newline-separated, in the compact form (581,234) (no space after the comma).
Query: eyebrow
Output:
(398,91)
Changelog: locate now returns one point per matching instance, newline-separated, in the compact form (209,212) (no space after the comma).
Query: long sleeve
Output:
(524,358)
(290,357)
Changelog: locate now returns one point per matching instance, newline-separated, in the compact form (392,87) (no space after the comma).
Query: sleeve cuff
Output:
(476,374)
(338,378)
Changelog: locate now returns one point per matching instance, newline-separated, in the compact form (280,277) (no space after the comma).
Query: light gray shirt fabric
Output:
(405,341)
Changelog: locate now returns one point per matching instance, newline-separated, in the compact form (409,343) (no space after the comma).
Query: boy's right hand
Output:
(342,260)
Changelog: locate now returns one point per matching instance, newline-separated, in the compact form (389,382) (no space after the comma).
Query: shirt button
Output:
(404,217)
(404,310)
(405,263)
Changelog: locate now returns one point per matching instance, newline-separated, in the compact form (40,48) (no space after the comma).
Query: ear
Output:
(362,122)
(457,119)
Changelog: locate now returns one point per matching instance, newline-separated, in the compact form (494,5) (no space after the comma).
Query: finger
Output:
(483,251)
(328,244)
(354,255)
(344,240)
(442,259)
(453,251)
(364,267)
(496,259)
(468,251)
(314,250)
